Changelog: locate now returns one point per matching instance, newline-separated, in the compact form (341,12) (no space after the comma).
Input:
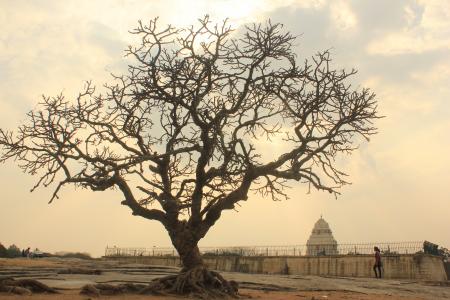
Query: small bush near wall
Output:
(80,255)
(3,251)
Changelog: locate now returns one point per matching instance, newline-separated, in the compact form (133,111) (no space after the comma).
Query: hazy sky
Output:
(401,179)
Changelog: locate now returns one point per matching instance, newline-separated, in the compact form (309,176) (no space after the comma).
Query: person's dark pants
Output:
(375,267)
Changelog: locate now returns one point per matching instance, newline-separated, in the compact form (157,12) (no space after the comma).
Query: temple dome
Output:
(321,240)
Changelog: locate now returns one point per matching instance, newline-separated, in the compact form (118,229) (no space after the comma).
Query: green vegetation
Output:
(10,252)
(3,251)
(14,251)
(80,255)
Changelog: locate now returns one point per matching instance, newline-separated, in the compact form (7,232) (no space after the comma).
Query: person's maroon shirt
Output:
(377,257)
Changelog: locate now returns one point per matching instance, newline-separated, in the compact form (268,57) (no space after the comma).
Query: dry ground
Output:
(245,294)
(253,286)
(29,263)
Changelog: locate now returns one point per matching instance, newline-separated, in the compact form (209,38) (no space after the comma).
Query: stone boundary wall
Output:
(447,269)
(403,266)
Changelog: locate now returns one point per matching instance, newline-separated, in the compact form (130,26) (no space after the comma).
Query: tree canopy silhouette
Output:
(178,134)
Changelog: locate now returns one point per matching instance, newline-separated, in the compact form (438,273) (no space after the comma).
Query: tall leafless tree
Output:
(177,134)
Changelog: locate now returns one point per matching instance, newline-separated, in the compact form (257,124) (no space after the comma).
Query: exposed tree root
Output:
(109,289)
(24,286)
(198,282)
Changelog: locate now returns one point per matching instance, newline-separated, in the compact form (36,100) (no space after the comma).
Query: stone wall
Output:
(407,266)
(447,269)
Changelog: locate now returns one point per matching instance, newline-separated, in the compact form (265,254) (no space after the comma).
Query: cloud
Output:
(44,52)
(400,48)
(427,29)
(437,76)
(343,18)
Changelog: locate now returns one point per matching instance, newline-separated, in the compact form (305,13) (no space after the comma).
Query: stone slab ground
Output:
(62,275)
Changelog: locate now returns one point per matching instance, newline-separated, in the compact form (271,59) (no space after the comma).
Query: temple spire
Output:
(321,240)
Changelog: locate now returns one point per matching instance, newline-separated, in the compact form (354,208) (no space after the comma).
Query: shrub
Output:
(14,251)
(3,251)
(80,255)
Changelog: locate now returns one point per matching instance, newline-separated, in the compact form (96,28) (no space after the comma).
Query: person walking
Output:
(377,264)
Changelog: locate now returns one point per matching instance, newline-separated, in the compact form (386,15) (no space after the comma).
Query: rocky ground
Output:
(69,275)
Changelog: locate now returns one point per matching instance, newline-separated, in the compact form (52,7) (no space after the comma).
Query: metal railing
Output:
(292,250)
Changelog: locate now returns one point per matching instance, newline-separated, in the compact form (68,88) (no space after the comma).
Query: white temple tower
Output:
(321,240)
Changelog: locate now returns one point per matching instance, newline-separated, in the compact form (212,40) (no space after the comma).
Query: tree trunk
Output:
(194,279)
(184,240)
(190,257)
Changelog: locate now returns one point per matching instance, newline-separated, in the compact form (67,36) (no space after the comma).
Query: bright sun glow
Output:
(236,11)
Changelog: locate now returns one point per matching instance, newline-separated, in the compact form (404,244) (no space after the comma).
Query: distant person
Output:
(27,252)
(23,253)
(377,264)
